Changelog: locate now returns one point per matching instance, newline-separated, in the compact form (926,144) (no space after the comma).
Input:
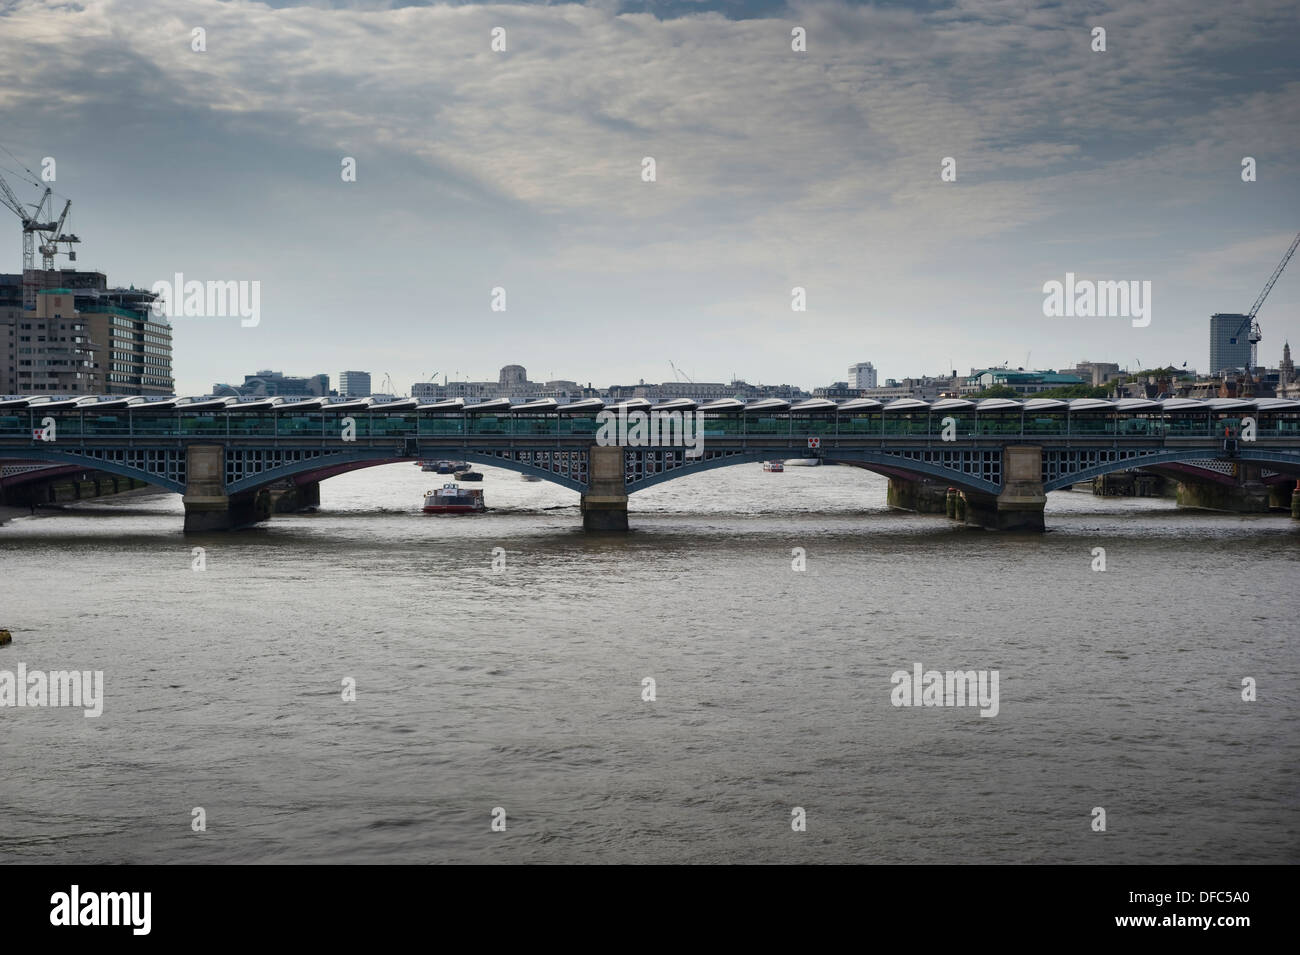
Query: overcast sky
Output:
(522,169)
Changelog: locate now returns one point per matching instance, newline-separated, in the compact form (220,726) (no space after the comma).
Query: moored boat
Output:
(469,475)
(774,467)
(454,499)
(529,478)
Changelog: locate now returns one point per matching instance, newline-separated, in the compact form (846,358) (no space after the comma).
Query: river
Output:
(521,687)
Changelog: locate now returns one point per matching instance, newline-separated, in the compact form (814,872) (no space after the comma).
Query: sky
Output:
(522,169)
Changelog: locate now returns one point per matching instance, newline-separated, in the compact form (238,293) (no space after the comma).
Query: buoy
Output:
(6,637)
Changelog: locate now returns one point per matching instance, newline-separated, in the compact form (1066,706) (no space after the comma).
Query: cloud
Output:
(774,167)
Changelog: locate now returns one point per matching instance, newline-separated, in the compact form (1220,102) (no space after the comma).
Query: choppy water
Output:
(523,689)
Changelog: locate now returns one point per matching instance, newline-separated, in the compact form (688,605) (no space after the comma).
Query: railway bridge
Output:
(223,454)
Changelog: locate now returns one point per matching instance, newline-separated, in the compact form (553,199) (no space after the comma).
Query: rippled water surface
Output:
(522,689)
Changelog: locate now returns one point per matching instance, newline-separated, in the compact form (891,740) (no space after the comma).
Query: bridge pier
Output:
(291,498)
(922,495)
(604,506)
(1249,495)
(1019,507)
(207,505)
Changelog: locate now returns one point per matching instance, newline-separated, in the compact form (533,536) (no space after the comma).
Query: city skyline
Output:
(818,170)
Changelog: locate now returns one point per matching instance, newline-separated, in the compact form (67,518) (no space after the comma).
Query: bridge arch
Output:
(331,464)
(922,464)
(161,467)
(1085,469)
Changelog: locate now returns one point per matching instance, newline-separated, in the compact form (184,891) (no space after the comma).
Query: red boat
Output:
(454,499)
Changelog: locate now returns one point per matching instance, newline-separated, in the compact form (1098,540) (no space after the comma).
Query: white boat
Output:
(774,467)
(454,499)
(803,462)
(529,477)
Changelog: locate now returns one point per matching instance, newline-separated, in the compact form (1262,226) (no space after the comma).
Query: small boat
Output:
(803,462)
(469,476)
(454,499)
(427,465)
(775,467)
(444,467)
(529,477)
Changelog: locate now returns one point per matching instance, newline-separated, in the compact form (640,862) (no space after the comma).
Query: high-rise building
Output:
(81,338)
(862,375)
(1229,342)
(354,384)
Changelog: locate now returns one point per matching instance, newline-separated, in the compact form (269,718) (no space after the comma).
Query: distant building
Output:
(354,384)
(1021,381)
(512,383)
(1096,372)
(862,375)
(1286,370)
(1229,343)
(837,391)
(270,384)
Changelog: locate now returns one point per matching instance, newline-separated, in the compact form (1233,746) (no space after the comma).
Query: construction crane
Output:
(679,374)
(36,223)
(1249,321)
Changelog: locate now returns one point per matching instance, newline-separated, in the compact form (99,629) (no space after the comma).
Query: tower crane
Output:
(37,223)
(1249,321)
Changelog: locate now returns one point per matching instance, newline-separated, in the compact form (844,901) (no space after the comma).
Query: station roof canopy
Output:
(860,405)
(538,406)
(1278,404)
(676,404)
(292,404)
(998,404)
(295,405)
(1231,404)
(952,404)
(350,404)
(585,406)
(1134,405)
(723,405)
(907,404)
(1045,404)
(492,404)
(205,403)
(815,406)
(1091,404)
(631,404)
(446,404)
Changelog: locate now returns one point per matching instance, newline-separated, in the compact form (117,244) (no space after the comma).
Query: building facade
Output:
(354,384)
(862,375)
(1229,343)
(81,338)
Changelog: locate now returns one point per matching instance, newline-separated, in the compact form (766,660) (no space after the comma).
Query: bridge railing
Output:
(142,422)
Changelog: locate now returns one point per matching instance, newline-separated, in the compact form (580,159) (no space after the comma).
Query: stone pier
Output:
(1020,505)
(1247,495)
(923,495)
(207,505)
(290,498)
(604,506)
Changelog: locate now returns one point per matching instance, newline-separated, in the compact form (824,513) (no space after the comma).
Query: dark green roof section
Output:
(56,291)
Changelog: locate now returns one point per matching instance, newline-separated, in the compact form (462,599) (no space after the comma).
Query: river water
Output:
(521,688)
